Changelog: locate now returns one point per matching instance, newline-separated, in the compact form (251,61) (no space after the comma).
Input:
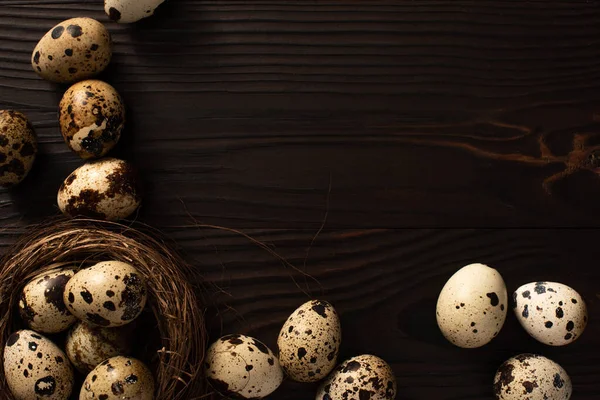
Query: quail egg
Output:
(35,368)
(127,11)
(101,189)
(472,306)
(91,116)
(118,378)
(108,294)
(18,147)
(73,50)
(242,366)
(41,303)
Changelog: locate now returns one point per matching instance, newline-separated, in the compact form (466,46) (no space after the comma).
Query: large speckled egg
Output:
(551,312)
(108,294)
(87,345)
(472,306)
(102,189)
(362,377)
(35,368)
(118,378)
(309,342)
(91,116)
(127,11)
(531,377)
(41,302)
(18,147)
(238,365)
(73,50)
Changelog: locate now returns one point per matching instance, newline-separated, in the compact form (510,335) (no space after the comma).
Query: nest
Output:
(174,348)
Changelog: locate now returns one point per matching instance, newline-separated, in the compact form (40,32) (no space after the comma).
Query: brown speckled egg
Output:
(107,294)
(91,116)
(73,50)
(551,312)
(35,368)
(472,306)
(118,378)
(309,342)
(127,11)
(87,345)
(243,367)
(101,189)
(41,303)
(18,147)
(362,377)
(531,377)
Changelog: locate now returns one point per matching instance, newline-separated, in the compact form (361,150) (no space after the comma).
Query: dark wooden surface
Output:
(379,118)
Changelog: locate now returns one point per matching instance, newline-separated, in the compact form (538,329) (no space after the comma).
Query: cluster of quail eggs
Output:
(95,307)
(308,346)
(471,311)
(91,116)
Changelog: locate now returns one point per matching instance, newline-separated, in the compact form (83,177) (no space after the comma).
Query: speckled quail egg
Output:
(91,116)
(18,147)
(242,366)
(41,302)
(309,342)
(362,377)
(73,50)
(472,306)
(119,378)
(531,377)
(108,294)
(127,11)
(35,368)
(87,345)
(551,312)
(102,189)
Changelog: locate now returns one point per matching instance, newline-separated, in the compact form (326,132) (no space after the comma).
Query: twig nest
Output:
(73,50)
(127,11)
(101,189)
(18,147)
(91,116)
(119,378)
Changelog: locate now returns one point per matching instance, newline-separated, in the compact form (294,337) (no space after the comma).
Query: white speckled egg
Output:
(35,368)
(551,312)
(73,50)
(359,378)
(18,147)
(102,189)
(41,303)
(87,345)
(127,11)
(118,378)
(91,116)
(531,377)
(309,342)
(108,294)
(472,306)
(242,366)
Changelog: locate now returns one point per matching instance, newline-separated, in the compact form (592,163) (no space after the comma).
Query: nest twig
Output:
(179,318)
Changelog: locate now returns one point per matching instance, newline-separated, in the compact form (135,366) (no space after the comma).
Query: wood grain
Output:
(373,117)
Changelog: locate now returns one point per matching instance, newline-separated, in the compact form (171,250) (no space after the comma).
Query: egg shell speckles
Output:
(309,342)
(87,346)
(128,11)
(531,377)
(91,116)
(35,368)
(18,147)
(551,312)
(118,378)
(108,294)
(41,304)
(102,189)
(73,50)
(242,366)
(472,306)
(359,378)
